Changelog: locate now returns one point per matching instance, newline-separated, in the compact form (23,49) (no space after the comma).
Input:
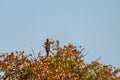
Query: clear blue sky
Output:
(94,24)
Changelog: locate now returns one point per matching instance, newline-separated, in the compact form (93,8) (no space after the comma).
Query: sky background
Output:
(94,24)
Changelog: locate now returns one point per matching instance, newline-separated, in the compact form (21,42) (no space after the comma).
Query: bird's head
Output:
(49,39)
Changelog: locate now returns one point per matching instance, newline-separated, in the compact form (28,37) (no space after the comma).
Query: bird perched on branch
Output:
(47,45)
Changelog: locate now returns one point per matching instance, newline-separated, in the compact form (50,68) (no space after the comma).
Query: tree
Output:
(63,64)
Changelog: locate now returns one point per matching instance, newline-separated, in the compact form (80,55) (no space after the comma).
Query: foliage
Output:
(63,64)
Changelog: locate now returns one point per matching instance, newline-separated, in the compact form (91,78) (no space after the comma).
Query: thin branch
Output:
(85,54)
(97,59)
(33,53)
(82,50)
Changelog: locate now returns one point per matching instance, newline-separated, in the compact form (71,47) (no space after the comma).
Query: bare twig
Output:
(33,53)
(97,59)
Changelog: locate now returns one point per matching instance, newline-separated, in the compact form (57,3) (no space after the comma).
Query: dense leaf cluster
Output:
(61,64)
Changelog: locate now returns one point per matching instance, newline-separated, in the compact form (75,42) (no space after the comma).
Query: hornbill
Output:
(47,45)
